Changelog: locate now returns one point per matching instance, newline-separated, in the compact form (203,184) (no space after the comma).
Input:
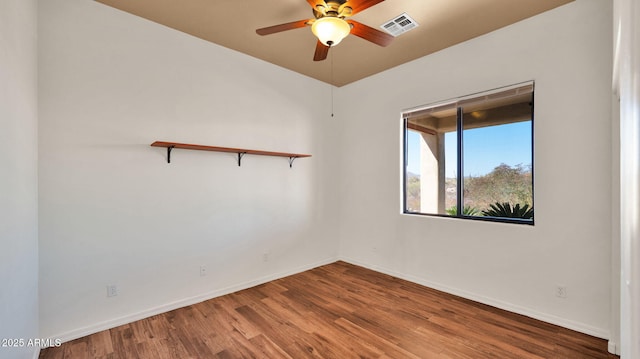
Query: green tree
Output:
(505,184)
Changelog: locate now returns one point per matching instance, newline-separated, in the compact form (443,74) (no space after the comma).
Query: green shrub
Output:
(505,210)
(466,210)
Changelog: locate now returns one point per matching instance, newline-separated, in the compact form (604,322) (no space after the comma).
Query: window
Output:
(472,157)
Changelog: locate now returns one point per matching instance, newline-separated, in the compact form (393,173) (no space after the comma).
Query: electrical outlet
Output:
(265,256)
(561,291)
(112,290)
(203,271)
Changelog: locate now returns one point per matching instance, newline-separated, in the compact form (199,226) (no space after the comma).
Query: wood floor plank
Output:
(99,344)
(268,349)
(335,311)
(387,348)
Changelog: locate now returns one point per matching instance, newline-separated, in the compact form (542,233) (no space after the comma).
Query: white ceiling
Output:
(232,23)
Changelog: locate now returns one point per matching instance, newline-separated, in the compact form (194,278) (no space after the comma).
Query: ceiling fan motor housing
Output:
(332,8)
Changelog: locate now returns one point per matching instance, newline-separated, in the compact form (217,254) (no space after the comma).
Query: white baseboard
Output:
(129,318)
(565,323)
(612,347)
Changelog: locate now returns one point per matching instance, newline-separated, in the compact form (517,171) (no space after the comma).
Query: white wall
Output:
(511,266)
(112,211)
(18,176)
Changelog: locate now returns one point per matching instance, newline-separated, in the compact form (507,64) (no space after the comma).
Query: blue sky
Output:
(485,148)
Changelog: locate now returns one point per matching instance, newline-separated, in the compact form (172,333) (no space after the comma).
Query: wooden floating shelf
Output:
(240,151)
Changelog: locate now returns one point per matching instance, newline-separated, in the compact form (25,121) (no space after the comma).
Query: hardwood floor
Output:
(335,311)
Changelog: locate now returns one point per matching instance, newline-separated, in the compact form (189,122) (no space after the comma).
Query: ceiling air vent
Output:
(399,25)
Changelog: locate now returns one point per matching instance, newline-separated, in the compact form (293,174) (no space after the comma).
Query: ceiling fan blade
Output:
(359,5)
(322,51)
(282,27)
(370,34)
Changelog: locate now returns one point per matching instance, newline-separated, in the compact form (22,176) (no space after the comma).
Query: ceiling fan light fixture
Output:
(330,30)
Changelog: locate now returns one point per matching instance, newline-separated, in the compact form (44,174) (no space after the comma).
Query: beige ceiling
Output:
(232,24)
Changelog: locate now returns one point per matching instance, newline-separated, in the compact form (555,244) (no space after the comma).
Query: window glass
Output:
(472,157)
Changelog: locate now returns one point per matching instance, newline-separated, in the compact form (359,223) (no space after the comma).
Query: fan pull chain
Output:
(331,85)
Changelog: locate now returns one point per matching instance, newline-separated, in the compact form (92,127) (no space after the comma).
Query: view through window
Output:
(472,157)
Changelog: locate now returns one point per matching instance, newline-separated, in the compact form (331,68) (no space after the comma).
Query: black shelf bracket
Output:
(240,155)
(169,153)
(291,159)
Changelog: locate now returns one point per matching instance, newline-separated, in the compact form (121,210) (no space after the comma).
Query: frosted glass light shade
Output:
(330,30)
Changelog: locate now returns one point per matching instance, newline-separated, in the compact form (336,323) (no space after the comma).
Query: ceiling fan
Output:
(331,25)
